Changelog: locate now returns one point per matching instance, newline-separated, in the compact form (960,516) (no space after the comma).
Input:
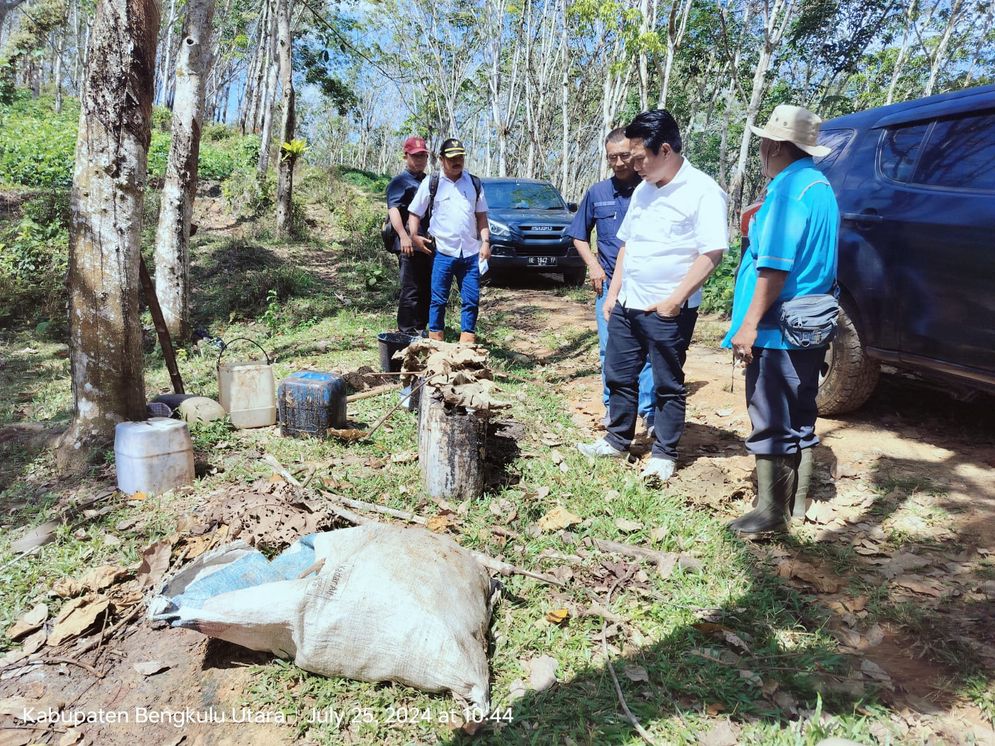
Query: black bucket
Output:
(391,342)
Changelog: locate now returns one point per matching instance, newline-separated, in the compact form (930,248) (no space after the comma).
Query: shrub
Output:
(247,195)
(34,255)
(716,295)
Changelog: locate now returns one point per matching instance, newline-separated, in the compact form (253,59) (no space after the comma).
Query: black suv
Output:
(915,183)
(528,222)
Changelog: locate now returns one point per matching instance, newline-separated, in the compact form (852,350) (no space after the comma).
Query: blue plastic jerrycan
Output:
(310,402)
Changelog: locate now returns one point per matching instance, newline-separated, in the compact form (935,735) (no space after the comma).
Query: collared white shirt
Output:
(665,230)
(454,220)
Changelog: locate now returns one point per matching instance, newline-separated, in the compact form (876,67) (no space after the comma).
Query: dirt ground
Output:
(903,497)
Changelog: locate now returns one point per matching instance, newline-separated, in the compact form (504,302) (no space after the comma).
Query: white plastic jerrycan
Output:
(153,456)
(247,389)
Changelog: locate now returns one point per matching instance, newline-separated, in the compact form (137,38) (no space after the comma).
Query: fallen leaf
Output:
(155,562)
(516,690)
(723,733)
(438,523)
(636,673)
(659,534)
(33,643)
(29,621)
(901,563)
(504,509)
(77,616)
(786,702)
(557,616)
(872,670)
(724,412)
(752,677)
(138,496)
(67,587)
(820,512)
(197,545)
(150,668)
(857,603)
(626,526)
(665,566)
(542,672)
(558,518)
(36,537)
(542,492)
(555,456)
(715,708)
(807,574)
(102,577)
(127,523)
(404,458)
(916,584)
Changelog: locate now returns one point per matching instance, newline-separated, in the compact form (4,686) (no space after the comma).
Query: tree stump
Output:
(451,448)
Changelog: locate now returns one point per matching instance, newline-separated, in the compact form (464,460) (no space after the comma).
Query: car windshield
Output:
(523,195)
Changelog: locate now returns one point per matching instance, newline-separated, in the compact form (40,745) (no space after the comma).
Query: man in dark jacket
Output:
(415,263)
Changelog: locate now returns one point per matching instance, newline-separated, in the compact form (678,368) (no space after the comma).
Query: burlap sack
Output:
(386,603)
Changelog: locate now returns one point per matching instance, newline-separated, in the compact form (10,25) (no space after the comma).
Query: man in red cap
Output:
(415,262)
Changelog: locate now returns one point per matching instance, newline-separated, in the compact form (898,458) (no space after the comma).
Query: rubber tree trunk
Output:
(105,332)
(285,176)
(451,448)
(172,238)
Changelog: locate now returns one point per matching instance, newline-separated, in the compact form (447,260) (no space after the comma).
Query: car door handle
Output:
(863,217)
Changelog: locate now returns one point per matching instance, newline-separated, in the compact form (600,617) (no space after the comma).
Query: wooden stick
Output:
(611,669)
(168,355)
(370,393)
(491,563)
(632,550)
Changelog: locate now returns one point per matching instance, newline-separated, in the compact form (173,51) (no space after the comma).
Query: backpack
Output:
(387,232)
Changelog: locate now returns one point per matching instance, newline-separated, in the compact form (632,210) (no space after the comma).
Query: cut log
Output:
(451,448)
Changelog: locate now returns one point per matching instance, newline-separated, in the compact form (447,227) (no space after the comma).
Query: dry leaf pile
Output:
(459,373)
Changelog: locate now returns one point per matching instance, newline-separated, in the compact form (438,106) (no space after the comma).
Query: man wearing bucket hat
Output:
(453,204)
(414,263)
(792,254)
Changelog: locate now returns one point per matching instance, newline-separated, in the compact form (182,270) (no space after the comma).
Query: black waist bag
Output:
(809,320)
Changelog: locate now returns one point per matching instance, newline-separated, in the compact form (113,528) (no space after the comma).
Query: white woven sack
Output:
(388,604)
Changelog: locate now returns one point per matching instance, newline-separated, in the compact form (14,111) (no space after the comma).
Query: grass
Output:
(787,686)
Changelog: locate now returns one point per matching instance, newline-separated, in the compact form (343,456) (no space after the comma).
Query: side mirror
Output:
(572,206)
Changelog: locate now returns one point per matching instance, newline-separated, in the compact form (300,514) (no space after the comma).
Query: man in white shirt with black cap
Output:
(453,203)
(674,236)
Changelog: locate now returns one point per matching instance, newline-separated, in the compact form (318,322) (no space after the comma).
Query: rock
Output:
(200,409)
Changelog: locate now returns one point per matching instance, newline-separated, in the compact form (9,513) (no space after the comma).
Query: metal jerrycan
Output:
(247,388)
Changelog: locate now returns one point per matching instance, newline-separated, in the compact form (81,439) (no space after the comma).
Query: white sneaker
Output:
(600,449)
(647,426)
(658,468)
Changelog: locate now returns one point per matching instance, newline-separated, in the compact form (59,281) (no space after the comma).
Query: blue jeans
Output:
(645,376)
(464,269)
(781,386)
(634,334)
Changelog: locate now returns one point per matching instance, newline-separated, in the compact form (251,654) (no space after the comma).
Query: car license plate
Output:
(543,261)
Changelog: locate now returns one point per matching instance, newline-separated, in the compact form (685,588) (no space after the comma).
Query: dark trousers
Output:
(781,386)
(416,292)
(634,334)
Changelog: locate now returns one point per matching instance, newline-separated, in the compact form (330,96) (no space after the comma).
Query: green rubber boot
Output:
(806,464)
(776,480)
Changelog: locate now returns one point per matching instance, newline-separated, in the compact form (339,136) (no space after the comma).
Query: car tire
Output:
(575,277)
(848,376)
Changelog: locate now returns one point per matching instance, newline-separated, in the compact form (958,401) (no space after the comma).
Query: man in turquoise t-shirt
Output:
(792,252)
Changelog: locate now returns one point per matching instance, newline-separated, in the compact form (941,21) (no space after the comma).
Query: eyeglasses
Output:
(615,157)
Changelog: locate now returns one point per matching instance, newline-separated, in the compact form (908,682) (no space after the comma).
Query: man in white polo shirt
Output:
(673,235)
(453,204)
